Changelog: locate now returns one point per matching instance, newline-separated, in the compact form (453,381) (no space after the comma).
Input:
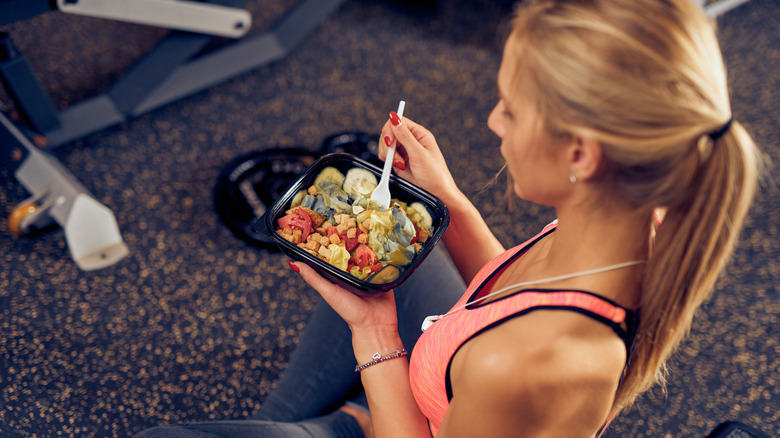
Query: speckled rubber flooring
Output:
(197,325)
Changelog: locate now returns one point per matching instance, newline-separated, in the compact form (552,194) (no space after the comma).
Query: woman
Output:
(616,113)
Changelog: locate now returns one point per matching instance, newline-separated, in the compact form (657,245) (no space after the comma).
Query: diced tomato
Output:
(364,257)
(350,243)
(416,234)
(298,219)
(376,267)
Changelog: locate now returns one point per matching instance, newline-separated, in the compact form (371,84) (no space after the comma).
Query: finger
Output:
(316,280)
(388,139)
(331,293)
(408,133)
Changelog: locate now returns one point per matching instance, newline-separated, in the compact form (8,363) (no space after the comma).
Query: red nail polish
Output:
(293,267)
(394,119)
(400,164)
(388,142)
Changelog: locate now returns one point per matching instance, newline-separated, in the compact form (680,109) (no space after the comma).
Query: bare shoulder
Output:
(549,371)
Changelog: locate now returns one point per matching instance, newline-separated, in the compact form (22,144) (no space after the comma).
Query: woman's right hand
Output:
(421,160)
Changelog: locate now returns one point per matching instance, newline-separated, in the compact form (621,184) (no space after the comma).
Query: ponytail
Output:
(692,245)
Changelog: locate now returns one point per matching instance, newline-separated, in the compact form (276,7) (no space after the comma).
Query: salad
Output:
(335,221)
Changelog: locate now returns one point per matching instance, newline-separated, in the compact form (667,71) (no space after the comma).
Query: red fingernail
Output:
(400,164)
(394,119)
(388,142)
(293,267)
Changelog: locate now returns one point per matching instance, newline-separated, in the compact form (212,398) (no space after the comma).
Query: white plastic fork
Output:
(381,193)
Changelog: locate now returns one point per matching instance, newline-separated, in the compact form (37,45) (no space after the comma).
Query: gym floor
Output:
(195,324)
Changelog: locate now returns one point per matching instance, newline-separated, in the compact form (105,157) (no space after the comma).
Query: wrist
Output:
(452,196)
(378,358)
(369,342)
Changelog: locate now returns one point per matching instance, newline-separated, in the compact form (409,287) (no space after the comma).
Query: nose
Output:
(494,120)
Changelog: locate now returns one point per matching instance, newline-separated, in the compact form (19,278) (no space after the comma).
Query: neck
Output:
(589,237)
(583,238)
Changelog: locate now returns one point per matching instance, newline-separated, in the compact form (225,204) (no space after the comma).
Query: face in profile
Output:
(536,165)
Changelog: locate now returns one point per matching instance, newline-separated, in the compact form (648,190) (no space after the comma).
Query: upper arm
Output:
(469,241)
(549,389)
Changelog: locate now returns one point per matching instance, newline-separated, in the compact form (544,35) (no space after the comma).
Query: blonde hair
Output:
(646,79)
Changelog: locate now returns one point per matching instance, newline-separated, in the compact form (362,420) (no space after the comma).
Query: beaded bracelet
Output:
(378,358)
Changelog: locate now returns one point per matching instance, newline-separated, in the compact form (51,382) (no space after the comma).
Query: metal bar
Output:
(24,89)
(241,57)
(91,230)
(212,69)
(185,15)
(145,76)
(85,118)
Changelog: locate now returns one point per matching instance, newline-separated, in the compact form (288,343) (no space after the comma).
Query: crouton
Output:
(423,234)
(312,245)
(363,238)
(335,239)
(325,252)
(286,233)
(312,190)
(296,236)
(316,218)
(323,229)
(352,233)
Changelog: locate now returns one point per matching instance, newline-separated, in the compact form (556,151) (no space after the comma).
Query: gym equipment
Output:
(171,71)
(249,184)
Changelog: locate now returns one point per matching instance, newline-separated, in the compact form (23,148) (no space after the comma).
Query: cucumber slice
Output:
(385,275)
(298,198)
(329,174)
(359,181)
(421,214)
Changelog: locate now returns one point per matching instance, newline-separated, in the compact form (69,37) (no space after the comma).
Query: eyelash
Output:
(506,112)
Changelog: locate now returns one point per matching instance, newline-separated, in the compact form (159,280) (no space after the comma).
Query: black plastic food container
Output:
(399,189)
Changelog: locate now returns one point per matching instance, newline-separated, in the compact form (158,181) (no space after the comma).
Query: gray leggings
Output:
(320,376)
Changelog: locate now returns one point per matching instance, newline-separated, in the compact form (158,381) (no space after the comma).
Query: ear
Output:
(585,156)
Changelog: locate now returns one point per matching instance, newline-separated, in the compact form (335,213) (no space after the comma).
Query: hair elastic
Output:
(719,133)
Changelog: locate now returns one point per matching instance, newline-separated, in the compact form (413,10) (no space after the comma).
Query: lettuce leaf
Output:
(404,231)
(390,235)
(339,256)
(361,274)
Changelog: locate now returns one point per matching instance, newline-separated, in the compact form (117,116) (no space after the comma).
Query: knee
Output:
(171,431)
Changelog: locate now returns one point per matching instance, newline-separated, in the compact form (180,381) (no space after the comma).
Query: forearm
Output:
(394,411)
(468,238)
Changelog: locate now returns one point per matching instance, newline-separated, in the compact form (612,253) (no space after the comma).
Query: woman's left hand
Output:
(373,313)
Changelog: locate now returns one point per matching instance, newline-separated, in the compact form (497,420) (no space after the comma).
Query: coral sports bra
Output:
(433,353)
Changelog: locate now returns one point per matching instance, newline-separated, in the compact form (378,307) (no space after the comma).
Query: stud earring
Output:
(572,178)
